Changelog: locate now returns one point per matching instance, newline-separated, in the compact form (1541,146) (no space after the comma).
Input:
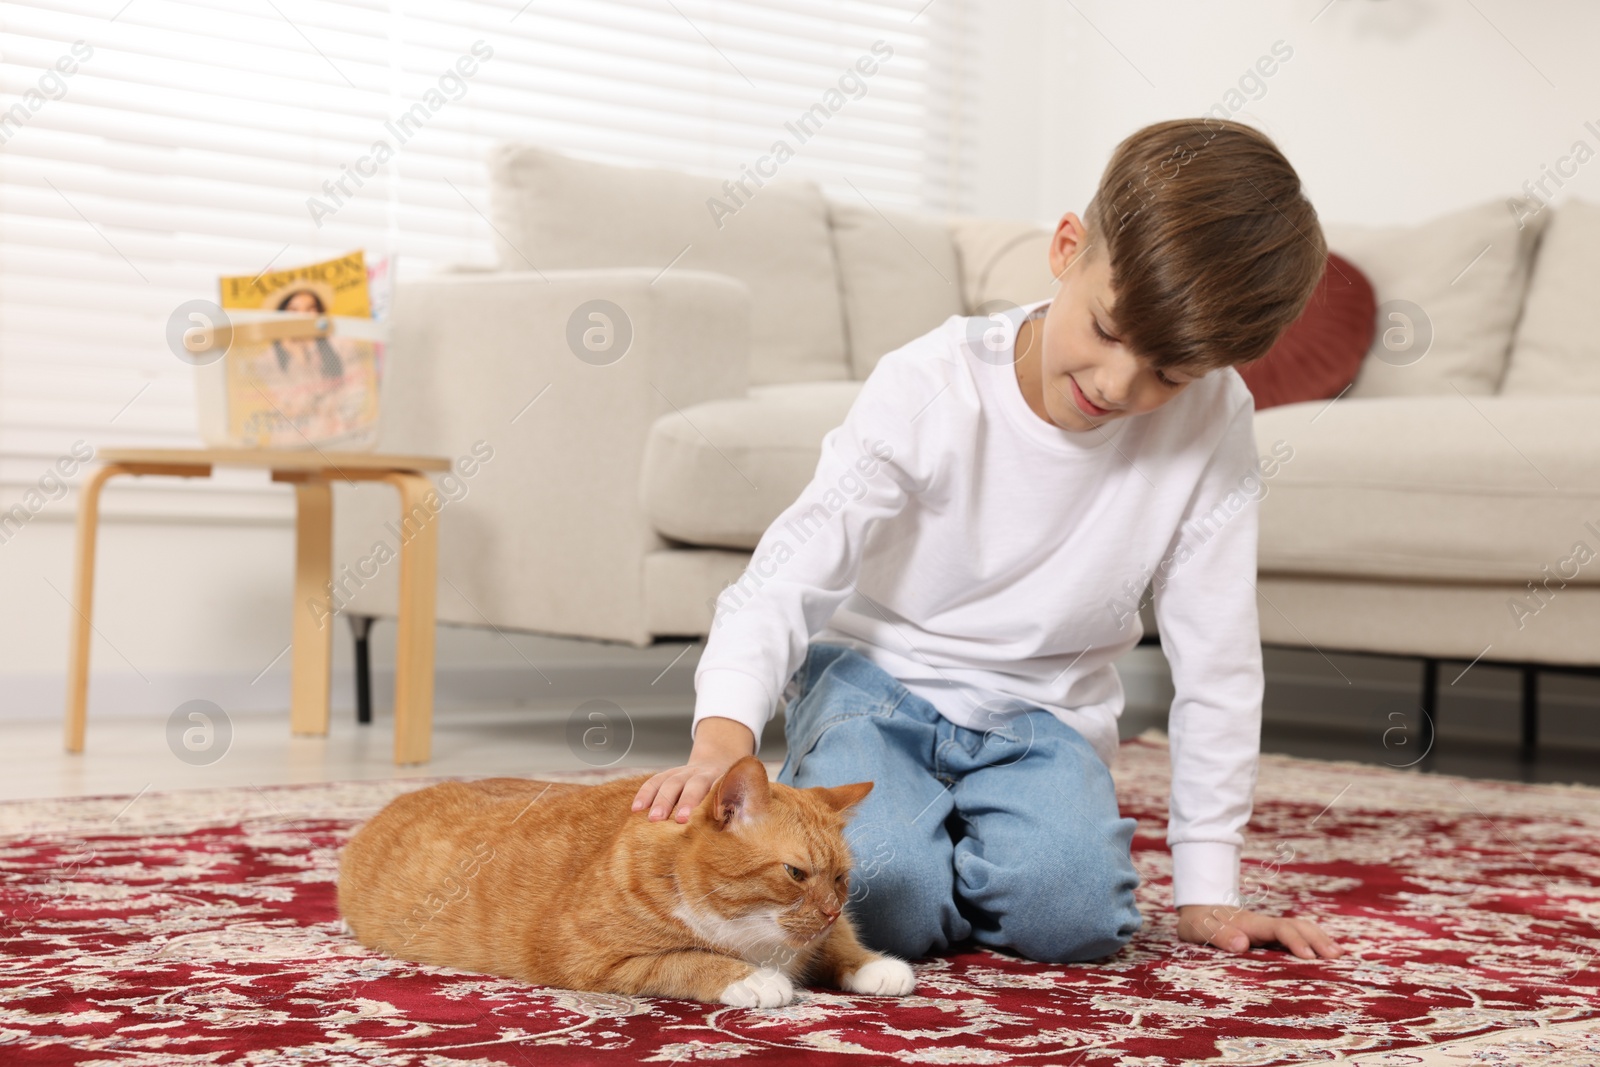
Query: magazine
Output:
(308,391)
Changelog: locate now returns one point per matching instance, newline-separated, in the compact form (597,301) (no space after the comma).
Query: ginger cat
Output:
(564,885)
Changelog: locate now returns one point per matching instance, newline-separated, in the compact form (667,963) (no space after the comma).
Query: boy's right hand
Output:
(719,744)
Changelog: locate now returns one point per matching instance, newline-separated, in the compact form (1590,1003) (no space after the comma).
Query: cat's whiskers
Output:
(783,947)
(703,924)
(745,935)
(739,932)
(760,921)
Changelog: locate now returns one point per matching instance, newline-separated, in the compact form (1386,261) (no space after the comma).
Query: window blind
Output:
(147,147)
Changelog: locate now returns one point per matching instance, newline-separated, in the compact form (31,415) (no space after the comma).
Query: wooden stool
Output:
(311,669)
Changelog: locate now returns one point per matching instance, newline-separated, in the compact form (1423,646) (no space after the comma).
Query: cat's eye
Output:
(795,872)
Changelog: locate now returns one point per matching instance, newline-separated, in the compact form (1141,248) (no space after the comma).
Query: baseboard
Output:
(1486,709)
(123,694)
(1483,706)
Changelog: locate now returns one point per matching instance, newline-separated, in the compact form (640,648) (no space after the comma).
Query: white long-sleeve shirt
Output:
(993,561)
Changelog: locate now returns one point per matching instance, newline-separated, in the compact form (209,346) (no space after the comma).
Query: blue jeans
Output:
(1010,837)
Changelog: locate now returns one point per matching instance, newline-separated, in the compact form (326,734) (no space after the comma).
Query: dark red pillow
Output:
(1321,351)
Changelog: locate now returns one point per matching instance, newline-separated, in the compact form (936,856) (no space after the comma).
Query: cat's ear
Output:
(741,794)
(840,797)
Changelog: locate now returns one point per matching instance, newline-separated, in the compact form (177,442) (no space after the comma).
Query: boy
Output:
(943,606)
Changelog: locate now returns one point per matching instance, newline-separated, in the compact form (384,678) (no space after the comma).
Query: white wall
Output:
(1392,111)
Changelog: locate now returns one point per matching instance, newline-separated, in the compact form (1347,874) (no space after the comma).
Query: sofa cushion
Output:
(1449,292)
(899,276)
(1557,348)
(718,473)
(1321,351)
(1446,488)
(1371,487)
(681,586)
(1003,262)
(554,212)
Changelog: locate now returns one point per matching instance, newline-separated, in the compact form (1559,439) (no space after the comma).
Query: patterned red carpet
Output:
(199,928)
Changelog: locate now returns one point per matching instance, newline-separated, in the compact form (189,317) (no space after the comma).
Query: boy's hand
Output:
(1235,930)
(719,744)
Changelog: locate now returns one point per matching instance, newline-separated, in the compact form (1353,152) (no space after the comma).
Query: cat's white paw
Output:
(884,977)
(764,988)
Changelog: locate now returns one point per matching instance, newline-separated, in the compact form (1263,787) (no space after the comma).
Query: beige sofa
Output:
(642,445)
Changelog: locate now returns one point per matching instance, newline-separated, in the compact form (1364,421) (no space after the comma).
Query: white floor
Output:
(486,723)
(517,705)
(126,755)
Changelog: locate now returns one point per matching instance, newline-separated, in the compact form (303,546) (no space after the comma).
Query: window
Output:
(148,147)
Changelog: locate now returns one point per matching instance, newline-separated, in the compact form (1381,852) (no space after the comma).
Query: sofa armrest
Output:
(541,526)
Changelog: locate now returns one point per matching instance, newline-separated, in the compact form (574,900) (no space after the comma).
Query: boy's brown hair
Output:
(1214,248)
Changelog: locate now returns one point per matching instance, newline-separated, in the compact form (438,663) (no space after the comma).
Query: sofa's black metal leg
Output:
(1430,709)
(1530,711)
(360,627)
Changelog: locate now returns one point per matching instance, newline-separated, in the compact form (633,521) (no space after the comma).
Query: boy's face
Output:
(1086,380)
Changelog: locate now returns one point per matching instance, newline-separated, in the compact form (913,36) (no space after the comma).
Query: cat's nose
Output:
(831,915)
